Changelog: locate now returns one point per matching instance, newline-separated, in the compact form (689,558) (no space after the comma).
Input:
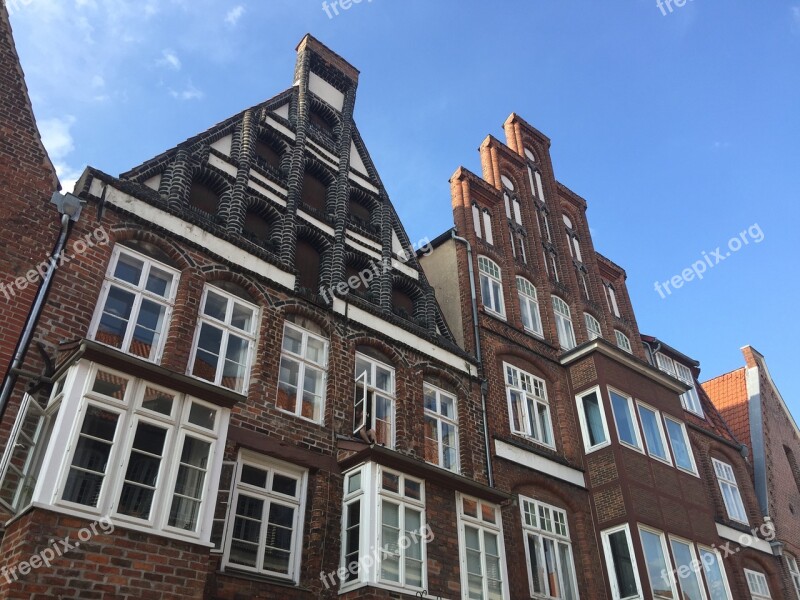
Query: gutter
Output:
(478,356)
(69,207)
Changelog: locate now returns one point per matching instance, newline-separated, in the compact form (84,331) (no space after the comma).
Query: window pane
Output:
(90,460)
(680,447)
(242,318)
(594,419)
(688,575)
(292,341)
(158,401)
(159,282)
(141,476)
(715,578)
(202,416)
(277,553)
(288,376)
(652,433)
(208,348)
(626,422)
(657,565)
(567,572)
(623,564)
(254,476)
(216,306)
(129,269)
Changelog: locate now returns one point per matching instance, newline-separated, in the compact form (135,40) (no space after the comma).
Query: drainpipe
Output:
(476,329)
(69,207)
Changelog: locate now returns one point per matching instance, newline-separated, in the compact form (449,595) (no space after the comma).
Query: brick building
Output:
(750,402)
(243,384)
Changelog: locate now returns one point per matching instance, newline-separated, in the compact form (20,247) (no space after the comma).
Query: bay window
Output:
(623,571)
(528,405)
(625,419)
(654,436)
(592,418)
(480,534)
(714,570)
(659,565)
(681,447)
(687,568)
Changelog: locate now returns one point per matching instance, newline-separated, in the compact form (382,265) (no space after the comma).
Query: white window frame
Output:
(477,217)
(686,440)
(487,227)
(531,389)
(588,447)
(489,271)
(667,458)
(369,416)
(227,330)
(689,399)
(665,551)
(484,528)
(757,584)
(566,330)
(726,479)
(529,300)
(611,298)
(593,329)
(303,365)
(442,420)
(631,410)
(605,535)
(701,550)
(693,566)
(298,503)
(623,343)
(140,294)
(539,527)
(78,396)
(794,572)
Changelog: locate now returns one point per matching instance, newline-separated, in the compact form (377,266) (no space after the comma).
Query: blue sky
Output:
(681,129)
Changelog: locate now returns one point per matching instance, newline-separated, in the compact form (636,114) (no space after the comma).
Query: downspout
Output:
(476,330)
(70,209)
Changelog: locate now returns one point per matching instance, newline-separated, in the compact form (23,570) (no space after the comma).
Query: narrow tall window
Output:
(225,339)
(714,570)
(491,286)
(402,518)
(621,561)
(574,243)
(659,566)
(654,435)
(476,220)
(688,576)
(551,570)
(528,405)
(566,333)
(135,304)
(266,517)
(487,227)
(794,571)
(592,326)
(611,297)
(593,420)
(623,342)
(730,491)
(301,378)
(529,306)
(689,399)
(625,419)
(374,401)
(681,448)
(441,428)
(757,584)
(481,550)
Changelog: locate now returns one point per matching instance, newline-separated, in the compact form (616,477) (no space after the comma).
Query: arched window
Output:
(529,306)
(592,326)
(623,342)
(203,198)
(574,242)
(491,286)
(566,333)
(308,260)
(315,193)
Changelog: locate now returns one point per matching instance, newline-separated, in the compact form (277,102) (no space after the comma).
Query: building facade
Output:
(244,380)
(750,402)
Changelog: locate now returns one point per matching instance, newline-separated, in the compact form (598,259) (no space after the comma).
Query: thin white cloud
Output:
(234,14)
(170,60)
(721,145)
(190,92)
(57,139)
(796,18)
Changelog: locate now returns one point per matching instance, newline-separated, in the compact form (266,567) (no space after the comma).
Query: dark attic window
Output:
(359,211)
(203,198)
(314,192)
(402,303)
(307,261)
(321,122)
(256,226)
(267,155)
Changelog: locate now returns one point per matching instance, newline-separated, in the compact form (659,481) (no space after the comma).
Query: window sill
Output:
(229,571)
(415,593)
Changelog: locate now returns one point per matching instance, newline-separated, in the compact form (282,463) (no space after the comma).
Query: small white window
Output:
(685,566)
(591,415)
(135,304)
(529,306)
(301,377)
(689,399)
(566,333)
(483,564)
(528,405)
(659,565)
(551,570)
(507,202)
(681,448)
(374,413)
(517,211)
(623,342)
(225,339)
(266,517)
(625,419)
(794,571)
(730,491)
(507,183)
(757,583)
(623,571)
(491,286)
(529,154)
(487,227)
(611,297)
(592,326)
(441,428)
(654,436)
(666,364)
(476,220)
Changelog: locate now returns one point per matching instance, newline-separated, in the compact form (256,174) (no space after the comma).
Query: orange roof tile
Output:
(728,392)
